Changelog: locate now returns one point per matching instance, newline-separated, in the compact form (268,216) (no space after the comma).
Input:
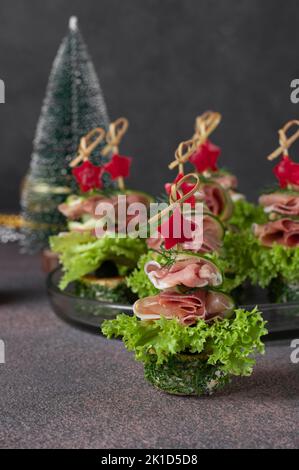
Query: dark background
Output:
(160,63)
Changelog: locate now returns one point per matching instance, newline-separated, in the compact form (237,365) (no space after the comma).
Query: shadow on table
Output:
(17,295)
(265,383)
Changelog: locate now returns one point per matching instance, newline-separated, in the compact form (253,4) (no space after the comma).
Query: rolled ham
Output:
(211,238)
(282,231)
(155,242)
(282,203)
(79,207)
(217,200)
(188,271)
(188,309)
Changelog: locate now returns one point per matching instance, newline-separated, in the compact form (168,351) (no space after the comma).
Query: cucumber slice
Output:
(110,282)
(218,223)
(89,224)
(230,301)
(73,199)
(277,215)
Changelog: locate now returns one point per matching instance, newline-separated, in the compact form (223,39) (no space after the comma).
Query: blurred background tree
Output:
(73,105)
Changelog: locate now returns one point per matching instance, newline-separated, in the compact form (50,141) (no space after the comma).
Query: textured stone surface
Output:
(61,387)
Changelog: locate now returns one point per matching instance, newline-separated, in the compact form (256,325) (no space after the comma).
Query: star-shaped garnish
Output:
(88,176)
(205,157)
(185,188)
(287,172)
(119,166)
(176,230)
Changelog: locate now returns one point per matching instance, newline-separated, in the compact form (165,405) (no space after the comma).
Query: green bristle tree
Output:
(73,105)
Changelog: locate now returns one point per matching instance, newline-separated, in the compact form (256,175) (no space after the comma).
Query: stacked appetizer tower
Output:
(97,264)
(213,227)
(189,336)
(277,260)
(225,210)
(218,184)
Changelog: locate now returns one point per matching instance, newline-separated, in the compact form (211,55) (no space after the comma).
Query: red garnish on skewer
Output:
(88,176)
(118,166)
(185,187)
(287,172)
(176,230)
(205,157)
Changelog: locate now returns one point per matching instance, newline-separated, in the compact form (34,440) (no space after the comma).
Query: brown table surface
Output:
(64,388)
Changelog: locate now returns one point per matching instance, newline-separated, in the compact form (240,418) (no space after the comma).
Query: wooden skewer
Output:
(173,198)
(87,146)
(285,142)
(182,154)
(207,122)
(117,130)
(204,126)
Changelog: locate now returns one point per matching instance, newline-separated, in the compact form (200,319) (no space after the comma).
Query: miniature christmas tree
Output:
(73,105)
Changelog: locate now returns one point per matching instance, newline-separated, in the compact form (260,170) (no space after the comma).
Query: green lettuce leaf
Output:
(138,281)
(246,213)
(231,278)
(82,253)
(229,343)
(247,257)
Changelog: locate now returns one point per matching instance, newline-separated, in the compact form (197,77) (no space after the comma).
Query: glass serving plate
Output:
(283,319)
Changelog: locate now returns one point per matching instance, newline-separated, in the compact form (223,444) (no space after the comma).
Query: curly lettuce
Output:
(248,258)
(82,253)
(231,278)
(227,343)
(246,213)
(138,281)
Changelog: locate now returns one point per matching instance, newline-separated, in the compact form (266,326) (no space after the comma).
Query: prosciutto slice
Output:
(186,308)
(81,207)
(283,203)
(217,200)
(155,242)
(282,231)
(189,271)
(211,241)
(212,237)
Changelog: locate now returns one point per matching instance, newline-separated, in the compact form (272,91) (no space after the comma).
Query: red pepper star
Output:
(176,230)
(205,157)
(185,188)
(287,172)
(88,176)
(119,166)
